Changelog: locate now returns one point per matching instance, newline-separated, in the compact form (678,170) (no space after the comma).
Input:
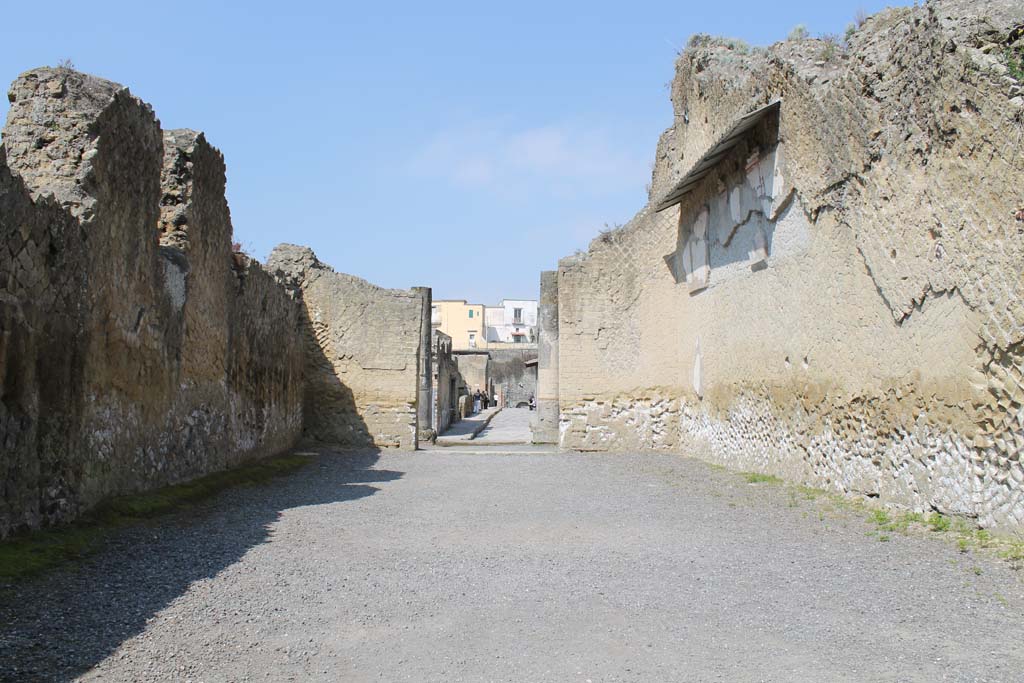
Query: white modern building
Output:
(513,322)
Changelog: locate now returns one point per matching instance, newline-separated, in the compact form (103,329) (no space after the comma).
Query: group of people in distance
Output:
(481,401)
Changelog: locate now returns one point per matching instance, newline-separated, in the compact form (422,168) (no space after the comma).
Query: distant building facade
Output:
(512,322)
(463,322)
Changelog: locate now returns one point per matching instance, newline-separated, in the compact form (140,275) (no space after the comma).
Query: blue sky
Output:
(464,146)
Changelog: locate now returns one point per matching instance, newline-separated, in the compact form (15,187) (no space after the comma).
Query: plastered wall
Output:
(857,324)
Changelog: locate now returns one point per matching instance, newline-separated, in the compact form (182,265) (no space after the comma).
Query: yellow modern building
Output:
(461,321)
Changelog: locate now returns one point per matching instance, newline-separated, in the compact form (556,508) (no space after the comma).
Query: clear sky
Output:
(464,146)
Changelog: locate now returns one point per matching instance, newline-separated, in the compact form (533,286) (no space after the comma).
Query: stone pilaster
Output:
(546,427)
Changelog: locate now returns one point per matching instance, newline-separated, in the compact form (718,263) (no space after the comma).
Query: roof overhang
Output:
(716,154)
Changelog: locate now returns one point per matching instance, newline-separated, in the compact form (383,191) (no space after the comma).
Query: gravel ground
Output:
(516,565)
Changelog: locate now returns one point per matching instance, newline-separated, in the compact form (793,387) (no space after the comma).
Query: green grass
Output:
(939,522)
(960,530)
(32,553)
(968,536)
(1015,61)
(758,478)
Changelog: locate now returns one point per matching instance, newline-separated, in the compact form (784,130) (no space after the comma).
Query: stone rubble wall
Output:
(134,352)
(872,342)
(361,347)
(510,376)
(447,382)
(473,367)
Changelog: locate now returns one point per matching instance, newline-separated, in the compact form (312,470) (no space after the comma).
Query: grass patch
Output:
(968,536)
(1014,57)
(939,522)
(758,478)
(809,493)
(35,552)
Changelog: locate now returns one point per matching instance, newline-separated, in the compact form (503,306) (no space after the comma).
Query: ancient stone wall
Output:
(447,382)
(362,350)
(510,377)
(546,427)
(122,329)
(838,300)
(473,368)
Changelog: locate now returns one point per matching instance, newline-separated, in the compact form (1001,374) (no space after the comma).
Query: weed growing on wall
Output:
(1014,57)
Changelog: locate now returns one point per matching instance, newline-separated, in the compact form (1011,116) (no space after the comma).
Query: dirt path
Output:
(517,565)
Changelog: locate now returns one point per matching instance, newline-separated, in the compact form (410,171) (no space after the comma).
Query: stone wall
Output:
(839,299)
(362,351)
(447,382)
(509,376)
(132,355)
(473,368)
(545,429)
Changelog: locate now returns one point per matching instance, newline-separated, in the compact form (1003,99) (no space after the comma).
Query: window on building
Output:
(517,315)
(472,339)
(471,313)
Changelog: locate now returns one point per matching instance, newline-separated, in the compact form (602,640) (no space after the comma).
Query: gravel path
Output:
(516,565)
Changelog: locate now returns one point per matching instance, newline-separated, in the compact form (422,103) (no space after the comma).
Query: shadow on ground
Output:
(59,625)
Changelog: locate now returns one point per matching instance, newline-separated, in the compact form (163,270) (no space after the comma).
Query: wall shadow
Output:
(59,625)
(330,414)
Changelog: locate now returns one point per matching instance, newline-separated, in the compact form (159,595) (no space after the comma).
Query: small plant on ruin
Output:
(850,30)
(606,234)
(799,32)
(1014,61)
(860,17)
(738,45)
(239,257)
(699,40)
(66,64)
(830,48)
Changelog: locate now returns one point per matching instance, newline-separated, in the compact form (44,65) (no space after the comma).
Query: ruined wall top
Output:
(298,266)
(183,148)
(54,130)
(718,80)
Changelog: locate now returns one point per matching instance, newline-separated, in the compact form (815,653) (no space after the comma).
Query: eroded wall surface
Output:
(473,367)
(362,349)
(840,300)
(447,382)
(122,340)
(511,379)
